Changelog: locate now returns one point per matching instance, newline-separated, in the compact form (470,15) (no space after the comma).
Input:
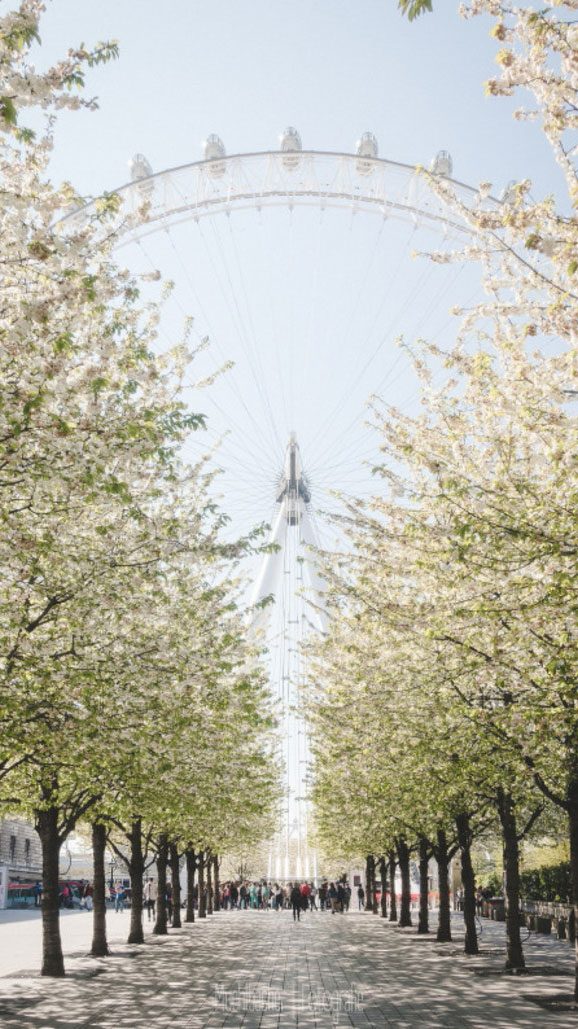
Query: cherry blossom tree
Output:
(121,645)
(463,577)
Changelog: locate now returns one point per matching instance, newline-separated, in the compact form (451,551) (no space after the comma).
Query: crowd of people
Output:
(297,897)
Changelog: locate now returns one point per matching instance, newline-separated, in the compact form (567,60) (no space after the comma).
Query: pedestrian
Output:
(333,897)
(312,898)
(280,899)
(340,897)
(305,894)
(233,895)
(119,897)
(296,902)
(323,896)
(360,897)
(150,897)
(87,892)
(37,894)
(347,896)
(242,895)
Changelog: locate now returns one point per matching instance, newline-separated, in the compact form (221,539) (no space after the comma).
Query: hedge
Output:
(548,883)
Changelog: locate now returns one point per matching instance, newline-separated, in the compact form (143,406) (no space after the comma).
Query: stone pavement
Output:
(260,970)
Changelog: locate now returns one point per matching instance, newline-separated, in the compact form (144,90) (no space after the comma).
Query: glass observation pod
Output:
(140,172)
(509,194)
(366,147)
(442,164)
(213,149)
(290,146)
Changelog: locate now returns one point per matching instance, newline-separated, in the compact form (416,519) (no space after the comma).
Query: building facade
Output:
(20,849)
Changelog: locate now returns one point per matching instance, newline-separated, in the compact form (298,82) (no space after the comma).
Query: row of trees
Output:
(446,696)
(131,698)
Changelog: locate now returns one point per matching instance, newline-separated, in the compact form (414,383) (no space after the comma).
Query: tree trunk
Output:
(176,885)
(423,921)
(99,942)
(217,899)
(405,908)
(202,895)
(136,867)
(160,926)
(469,884)
(369,882)
(210,886)
(444,933)
(506,811)
(383,876)
(191,859)
(573,825)
(392,896)
(47,828)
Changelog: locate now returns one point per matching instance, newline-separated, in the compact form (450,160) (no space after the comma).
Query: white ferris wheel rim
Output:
(307,178)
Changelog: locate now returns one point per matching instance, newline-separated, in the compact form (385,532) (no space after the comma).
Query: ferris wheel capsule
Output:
(213,149)
(141,170)
(442,164)
(290,146)
(510,194)
(366,147)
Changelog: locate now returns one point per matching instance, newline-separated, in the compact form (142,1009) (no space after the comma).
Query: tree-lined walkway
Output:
(260,970)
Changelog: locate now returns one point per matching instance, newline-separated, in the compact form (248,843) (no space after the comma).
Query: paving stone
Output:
(250,970)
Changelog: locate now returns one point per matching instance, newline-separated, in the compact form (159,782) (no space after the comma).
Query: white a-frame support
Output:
(289,575)
(294,501)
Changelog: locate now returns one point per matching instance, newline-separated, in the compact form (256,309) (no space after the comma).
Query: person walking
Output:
(333,896)
(119,897)
(360,897)
(87,892)
(312,898)
(305,894)
(296,902)
(150,895)
(347,896)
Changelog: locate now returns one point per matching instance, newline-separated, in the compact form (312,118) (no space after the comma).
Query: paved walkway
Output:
(260,970)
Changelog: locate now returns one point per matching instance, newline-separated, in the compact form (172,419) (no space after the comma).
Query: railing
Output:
(544,917)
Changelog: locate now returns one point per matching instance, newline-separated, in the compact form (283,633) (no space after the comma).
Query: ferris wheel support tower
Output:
(299,599)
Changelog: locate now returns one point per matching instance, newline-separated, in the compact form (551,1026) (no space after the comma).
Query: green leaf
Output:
(413,8)
(8,110)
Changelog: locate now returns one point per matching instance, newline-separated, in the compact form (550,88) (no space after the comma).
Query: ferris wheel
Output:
(290,263)
(314,215)
(360,181)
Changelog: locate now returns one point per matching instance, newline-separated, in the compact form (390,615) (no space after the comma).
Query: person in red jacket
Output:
(305,893)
